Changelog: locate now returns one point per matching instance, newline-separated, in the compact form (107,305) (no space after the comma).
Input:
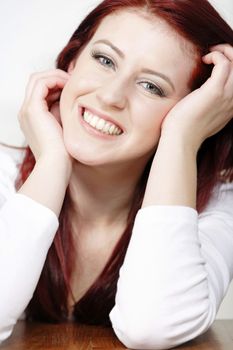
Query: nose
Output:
(113,94)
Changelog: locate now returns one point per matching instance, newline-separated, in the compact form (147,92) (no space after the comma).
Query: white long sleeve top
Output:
(176,272)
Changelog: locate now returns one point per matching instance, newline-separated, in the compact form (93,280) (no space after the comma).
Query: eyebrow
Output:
(145,70)
(107,42)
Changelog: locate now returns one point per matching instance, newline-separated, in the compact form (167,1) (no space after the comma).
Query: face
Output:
(121,87)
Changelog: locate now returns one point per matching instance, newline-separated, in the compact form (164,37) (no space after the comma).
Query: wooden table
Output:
(30,336)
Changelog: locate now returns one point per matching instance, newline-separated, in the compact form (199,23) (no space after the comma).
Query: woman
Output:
(130,139)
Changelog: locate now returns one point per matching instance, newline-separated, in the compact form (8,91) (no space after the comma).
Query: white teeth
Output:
(111,129)
(106,127)
(94,121)
(88,117)
(100,124)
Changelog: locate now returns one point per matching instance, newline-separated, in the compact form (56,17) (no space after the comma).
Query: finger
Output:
(225,49)
(55,110)
(40,75)
(229,86)
(222,67)
(53,97)
(41,90)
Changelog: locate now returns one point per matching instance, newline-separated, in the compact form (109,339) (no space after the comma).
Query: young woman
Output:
(123,208)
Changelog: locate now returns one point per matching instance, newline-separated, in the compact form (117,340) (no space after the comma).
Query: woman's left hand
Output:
(208,109)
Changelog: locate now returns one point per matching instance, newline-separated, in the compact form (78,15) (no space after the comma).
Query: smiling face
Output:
(122,85)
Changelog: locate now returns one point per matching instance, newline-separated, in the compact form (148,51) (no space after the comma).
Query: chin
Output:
(85,157)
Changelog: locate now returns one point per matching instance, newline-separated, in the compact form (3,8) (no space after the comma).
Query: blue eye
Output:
(103,60)
(152,88)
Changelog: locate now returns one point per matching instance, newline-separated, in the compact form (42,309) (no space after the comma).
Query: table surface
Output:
(72,336)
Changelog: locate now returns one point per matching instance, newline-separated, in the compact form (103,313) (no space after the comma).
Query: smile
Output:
(100,124)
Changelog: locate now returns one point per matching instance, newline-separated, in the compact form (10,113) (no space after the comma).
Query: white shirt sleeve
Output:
(27,230)
(176,272)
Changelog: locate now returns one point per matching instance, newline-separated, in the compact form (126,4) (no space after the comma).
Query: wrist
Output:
(56,163)
(174,140)
(48,182)
(172,179)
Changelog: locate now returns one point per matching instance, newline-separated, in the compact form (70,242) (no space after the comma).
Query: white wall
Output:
(32,32)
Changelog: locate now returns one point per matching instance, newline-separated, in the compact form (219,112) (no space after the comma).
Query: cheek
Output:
(75,88)
(85,77)
(149,117)
(79,86)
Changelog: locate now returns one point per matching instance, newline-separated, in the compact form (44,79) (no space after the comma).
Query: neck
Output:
(102,195)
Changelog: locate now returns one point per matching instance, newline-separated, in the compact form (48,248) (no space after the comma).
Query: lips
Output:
(101,122)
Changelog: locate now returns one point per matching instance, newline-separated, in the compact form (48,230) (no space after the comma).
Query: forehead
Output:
(150,40)
(139,25)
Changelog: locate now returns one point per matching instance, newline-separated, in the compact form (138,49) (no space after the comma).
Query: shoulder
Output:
(221,199)
(13,155)
(10,159)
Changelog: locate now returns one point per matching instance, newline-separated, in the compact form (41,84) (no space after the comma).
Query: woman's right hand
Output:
(39,116)
(208,109)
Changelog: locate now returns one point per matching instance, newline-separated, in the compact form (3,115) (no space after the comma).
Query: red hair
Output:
(198,22)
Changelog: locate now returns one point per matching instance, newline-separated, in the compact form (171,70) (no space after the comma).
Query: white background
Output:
(32,33)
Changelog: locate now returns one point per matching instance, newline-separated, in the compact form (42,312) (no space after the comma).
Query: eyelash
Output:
(159,91)
(99,57)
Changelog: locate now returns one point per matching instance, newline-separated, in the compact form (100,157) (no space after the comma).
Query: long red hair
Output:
(198,22)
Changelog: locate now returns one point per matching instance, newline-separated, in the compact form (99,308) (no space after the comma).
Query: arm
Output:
(176,273)
(41,126)
(19,243)
(183,131)
(27,230)
(28,219)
